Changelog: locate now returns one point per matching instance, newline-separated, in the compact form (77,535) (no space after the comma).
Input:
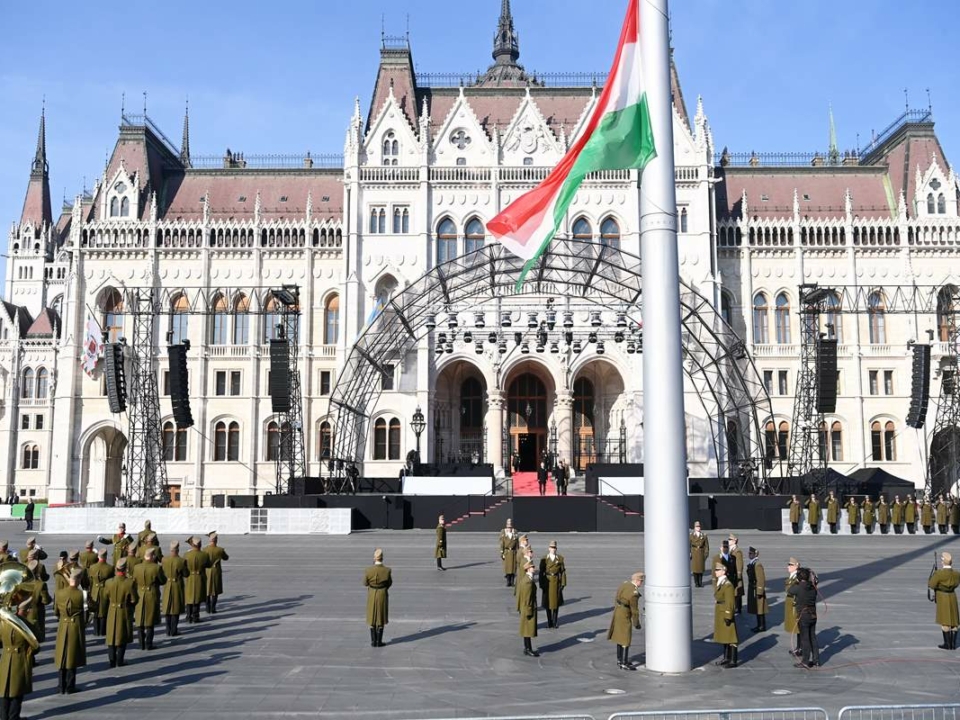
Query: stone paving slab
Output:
(291,641)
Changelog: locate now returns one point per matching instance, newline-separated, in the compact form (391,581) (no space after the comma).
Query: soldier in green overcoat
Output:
(132,558)
(883,515)
(194,589)
(790,623)
(527,558)
(853,515)
(527,597)
(737,554)
(926,516)
(36,589)
(813,514)
(119,596)
(897,514)
(71,649)
(119,541)
(955,515)
(626,619)
(24,553)
(520,559)
(150,541)
(944,583)
(699,554)
(149,577)
(796,514)
(217,556)
(99,574)
(172,602)
(440,550)
(147,530)
(377,579)
(508,543)
(757,590)
(16,666)
(88,557)
(943,515)
(910,514)
(553,579)
(868,514)
(833,512)
(724,618)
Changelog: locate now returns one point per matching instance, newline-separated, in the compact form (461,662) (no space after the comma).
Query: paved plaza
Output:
(290,639)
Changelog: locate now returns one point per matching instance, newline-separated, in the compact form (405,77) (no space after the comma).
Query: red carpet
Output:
(525,483)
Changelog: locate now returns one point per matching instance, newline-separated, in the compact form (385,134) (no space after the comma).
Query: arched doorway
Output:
(101,470)
(599,425)
(527,417)
(459,415)
(944,460)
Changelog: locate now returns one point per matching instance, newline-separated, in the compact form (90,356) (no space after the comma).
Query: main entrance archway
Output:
(716,363)
(101,467)
(528,403)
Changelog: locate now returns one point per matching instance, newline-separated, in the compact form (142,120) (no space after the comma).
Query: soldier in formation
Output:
(553,579)
(926,516)
(194,589)
(796,514)
(117,601)
(833,512)
(377,579)
(813,514)
(883,515)
(71,649)
(897,510)
(943,514)
(757,590)
(724,618)
(440,551)
(99,574)
(527,603)
(853,515)
(789,611)
(148,576)
(16,665)
(943,583)
(172,602)
(509,542)
(626,619)
(868,511)
(216,556)
(910,515)
(737,554)
(699,554)
(955,515)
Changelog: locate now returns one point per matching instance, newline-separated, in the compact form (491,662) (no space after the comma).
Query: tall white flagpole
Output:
(667,595)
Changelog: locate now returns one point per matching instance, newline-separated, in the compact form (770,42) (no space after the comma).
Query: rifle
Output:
(932,594)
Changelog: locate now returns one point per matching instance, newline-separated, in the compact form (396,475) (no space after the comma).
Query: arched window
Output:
(883,440)
(394,440)
(610,233)
(405,221)
(174,442)
(783,319)
(582,230)
(125,207)
(397,220)
(233,442)
(273,442)
(326,440)
(115,206)
(28,384)
(946,319)
(220,442)
(43,383)
(941,204)
(391,148)
(271,320)
(930,205)
(380,439)
(241,320)
(770,440)
(331,328)
(836,441)
(876,315)
(30,459)
(446,241)
(475,235)
(221,321)
(683,220)
(113,316)
(726,308)
(761,334)
(381,221)
(471,405)
(226,441)
(889,442)
(783,440)
(833,317)
(179,320)
(374,216)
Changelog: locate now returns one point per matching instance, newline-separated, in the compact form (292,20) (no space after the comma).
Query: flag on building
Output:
(92,347)
(617,136)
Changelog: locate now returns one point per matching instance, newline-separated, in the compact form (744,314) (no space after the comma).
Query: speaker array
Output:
(179,385)
(920,387)
(827,374)
(280,375)
(115,378)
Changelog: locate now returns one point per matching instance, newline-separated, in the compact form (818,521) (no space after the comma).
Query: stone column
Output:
(495,404)
(563,414)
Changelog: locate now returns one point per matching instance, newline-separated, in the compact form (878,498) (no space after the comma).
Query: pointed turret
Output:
(37,208)
(676,92)
(185,143)
(834,153)
(506,52)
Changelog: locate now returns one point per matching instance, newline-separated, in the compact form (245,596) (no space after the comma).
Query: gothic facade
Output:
(423,169)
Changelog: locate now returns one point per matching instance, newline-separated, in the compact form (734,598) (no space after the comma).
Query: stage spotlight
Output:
(551,319)
(541,348)
(439,349)
(468,337)
(480,320)
(524,349)
(592,338)
(449,348)
(555,348)
(502,347)
(431,322)
(621,320)
(631,347)
(618,336)
(442,338)
(517,338)
(452,321)
(576,347)
(479,348)
(595,319)
(568,337)
(505,319)
(532,321)
(492,338)
(600,348)
(567,319)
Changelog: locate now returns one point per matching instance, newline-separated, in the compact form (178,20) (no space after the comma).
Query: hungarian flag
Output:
(617,137)
(92,347)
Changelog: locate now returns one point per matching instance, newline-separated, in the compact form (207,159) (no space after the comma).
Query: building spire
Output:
(834,151)
(185,142)
(37,206)
(506,43)
(40,166)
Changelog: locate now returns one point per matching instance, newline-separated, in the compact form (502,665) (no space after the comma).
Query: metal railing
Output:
(267,161)
(900,712)
(550,79)
(908,117)
(808,713)
(527,717)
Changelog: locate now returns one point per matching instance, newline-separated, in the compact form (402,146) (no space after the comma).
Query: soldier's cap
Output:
(213,534)
(523,537)
(753,550)
(947,558)
(122,525)
(121,565)
(63,554)
(637,577)
(147,525)
(31,541)
(725,543)
(192,540)
(102,552)
(76,574)
(793,561)
(509,522)
(74,555)
(151,538)
(89,545)
(378,555)
(528,566)
(149,554)
(732,538)
(553,544)
(720,566)
(174,546)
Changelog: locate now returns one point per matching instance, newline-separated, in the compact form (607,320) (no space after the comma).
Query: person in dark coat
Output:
(559,477)
(16,666)
(804,593)
(440,549)
(553,579)
(28,515)
(542,475)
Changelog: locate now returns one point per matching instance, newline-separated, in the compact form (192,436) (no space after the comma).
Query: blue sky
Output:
(280,77)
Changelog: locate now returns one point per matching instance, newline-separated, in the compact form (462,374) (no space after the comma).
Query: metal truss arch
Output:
(716,361)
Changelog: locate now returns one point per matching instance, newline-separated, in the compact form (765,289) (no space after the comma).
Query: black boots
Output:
(209,604)
(761,624)
(730,657)
(726,657)
(528,648)
(141,635)
(376,637)
(67,682)
(62,681)
(149,634)
(112,655)
(946,641)
(734,656)
(440,564)
(175,622)
(623,658)
(553,620)
(698,580)
(380,642)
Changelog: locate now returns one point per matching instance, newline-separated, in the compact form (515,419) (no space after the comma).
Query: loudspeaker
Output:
(306,486)
(115,378)
(827,376)
(280,375)
(949,381)
(242,501)
(179,385)
(920,392)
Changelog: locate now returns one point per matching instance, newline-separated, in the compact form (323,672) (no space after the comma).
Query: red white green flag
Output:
(617,137)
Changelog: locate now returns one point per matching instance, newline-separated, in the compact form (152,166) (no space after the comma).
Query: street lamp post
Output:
(418,424)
